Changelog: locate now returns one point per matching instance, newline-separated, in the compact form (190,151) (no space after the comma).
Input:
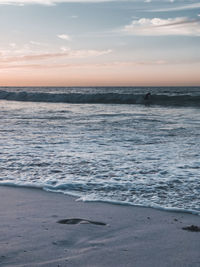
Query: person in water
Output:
(147,96)
(147,99)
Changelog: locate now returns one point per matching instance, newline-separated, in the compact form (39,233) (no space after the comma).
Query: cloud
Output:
(106,65)
(54,2)
(36,43)
(114,64)
(74,16)
(13,45)
(48,2)
(87,53)
(177,8)
(64,37)
(159,27)
(10,57)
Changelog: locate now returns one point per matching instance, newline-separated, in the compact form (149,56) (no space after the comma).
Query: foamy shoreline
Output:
(91,234)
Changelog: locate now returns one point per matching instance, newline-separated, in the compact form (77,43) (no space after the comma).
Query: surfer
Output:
(147,96)
(147,99)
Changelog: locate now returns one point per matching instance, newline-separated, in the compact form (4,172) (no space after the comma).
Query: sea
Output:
(105,144)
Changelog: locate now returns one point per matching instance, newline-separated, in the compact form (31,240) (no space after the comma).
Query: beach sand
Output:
(92,234)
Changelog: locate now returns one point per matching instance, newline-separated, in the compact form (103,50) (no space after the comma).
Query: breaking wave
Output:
(101,98)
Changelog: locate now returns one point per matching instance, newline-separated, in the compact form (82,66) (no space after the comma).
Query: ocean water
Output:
(104,144)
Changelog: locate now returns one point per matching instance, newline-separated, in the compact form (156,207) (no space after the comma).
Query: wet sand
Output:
(40,228)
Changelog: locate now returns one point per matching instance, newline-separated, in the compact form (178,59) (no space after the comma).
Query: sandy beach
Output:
(47,229)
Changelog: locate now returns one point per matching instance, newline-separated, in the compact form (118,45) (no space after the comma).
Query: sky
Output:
(99,43)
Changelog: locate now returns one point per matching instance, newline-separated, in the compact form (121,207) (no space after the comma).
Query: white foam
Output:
(132,155)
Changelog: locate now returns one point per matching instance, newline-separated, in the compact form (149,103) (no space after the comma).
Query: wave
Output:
(101,98)
(96,199)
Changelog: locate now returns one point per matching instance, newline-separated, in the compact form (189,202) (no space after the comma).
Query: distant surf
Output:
(101,98)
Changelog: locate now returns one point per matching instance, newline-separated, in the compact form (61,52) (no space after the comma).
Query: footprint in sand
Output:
(77,221)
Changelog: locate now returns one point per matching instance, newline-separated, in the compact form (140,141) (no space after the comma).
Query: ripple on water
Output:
(123,155)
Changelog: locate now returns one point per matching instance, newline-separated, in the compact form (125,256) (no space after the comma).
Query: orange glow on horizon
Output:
(145,75)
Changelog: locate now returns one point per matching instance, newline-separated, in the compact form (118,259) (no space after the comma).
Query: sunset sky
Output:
(99,42)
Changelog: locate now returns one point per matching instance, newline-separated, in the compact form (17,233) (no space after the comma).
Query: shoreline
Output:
(109,202)
(40,228)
